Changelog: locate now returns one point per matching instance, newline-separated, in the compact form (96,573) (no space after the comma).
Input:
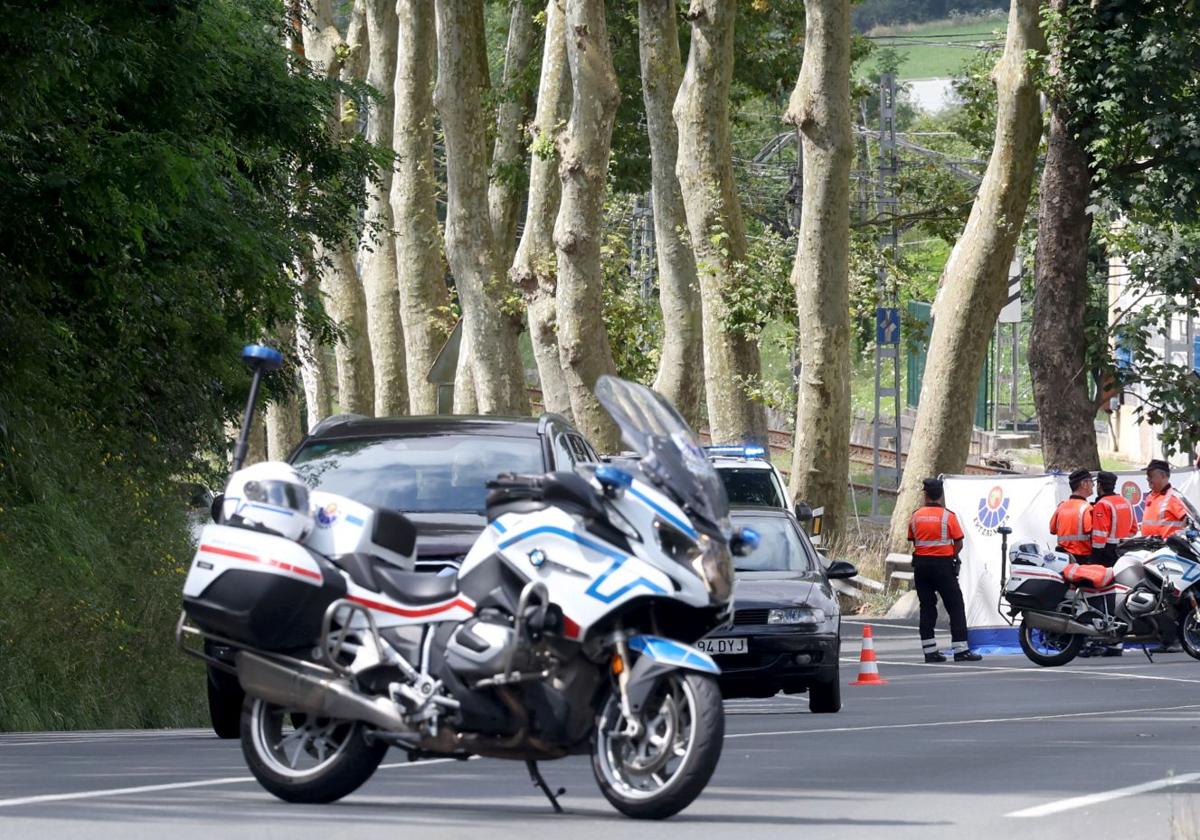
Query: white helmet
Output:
(269,495)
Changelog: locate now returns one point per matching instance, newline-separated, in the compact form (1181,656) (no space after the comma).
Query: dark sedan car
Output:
(786,620)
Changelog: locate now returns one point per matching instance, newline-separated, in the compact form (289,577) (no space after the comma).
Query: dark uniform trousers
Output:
(934,576)
(1106,556)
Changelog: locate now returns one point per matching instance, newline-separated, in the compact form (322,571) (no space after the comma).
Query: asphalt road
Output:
(1100,748)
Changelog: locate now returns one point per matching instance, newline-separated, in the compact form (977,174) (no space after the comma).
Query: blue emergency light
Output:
(748,450)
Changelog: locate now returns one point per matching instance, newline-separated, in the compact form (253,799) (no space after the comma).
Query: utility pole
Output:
(887,312)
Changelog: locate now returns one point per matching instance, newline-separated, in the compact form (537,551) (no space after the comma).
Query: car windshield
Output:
(780,549)
(419,474)
(750,487)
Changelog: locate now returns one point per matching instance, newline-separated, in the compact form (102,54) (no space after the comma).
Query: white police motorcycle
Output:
(569,628)
(1151,596)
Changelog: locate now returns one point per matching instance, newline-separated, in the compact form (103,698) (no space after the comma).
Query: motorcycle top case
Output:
(259,589)
(343,526)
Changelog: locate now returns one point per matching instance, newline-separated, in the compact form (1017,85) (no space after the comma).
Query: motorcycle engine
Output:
(1139,602)
(479,647)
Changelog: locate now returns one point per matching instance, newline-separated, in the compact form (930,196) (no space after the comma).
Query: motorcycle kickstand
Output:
(1146,650)
(538,782)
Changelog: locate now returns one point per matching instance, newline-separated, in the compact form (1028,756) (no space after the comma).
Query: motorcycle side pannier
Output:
(262,590)
(1035,593)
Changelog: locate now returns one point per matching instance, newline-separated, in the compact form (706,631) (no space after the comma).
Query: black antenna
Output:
(262,359)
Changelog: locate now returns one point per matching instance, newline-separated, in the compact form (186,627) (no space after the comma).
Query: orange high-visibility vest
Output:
(1072,524)
(1164,514)
(1112,521)
(933,530)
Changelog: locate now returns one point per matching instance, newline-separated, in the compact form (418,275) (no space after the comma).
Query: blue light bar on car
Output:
(748,450)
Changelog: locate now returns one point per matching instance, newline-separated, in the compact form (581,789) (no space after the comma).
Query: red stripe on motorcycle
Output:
(413,613)
(254,558)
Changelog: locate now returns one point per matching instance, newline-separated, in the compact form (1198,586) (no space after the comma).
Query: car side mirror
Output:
(841,570)
(218,504)
(804,511)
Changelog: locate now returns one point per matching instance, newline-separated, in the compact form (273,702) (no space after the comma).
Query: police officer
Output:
(937,539)
(1072,519)
(1163,515)
(1165,512)
(1112,520)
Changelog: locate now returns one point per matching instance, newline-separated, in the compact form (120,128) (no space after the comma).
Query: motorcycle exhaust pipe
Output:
(314,691)
(1058,623)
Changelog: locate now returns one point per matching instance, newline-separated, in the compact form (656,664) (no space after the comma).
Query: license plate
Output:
(722,646)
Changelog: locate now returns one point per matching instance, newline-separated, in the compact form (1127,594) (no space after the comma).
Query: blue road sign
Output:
(887,325)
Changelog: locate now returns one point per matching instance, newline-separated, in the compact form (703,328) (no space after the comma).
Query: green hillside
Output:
(937,49)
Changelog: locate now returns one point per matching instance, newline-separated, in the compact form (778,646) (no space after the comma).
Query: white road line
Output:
(979,670)
(1106,796)
(228,780)
(936,723)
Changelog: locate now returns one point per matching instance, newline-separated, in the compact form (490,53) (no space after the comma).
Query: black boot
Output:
(966,656)
(936,656)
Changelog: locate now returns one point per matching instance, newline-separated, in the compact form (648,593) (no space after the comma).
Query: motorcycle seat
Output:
(1088,575)
(408,587)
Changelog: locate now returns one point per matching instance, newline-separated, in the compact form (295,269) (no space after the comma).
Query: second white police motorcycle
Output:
(569,628)
(1151,596)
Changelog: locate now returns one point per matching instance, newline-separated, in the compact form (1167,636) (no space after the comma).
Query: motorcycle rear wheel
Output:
(306,760)
(661,772)
(1046,648)
(1189,633)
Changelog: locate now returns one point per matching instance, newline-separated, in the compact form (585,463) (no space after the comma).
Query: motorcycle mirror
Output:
(744,541)
(218,504)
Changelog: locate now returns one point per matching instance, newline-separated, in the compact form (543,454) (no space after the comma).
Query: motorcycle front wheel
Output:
(1189,633)
(660,771)
(1047,648)
(300,758)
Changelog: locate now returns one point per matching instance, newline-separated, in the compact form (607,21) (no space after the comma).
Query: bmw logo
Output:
(537,557)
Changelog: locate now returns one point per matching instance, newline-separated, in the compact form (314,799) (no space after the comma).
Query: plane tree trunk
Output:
(535,266)
(490,320)
(974,283)
(583,342)
(377,250)
(680,375)
(820,107)
(1061,378)
(420,271)
(714,217)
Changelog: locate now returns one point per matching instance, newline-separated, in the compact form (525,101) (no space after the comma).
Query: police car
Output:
(751,480)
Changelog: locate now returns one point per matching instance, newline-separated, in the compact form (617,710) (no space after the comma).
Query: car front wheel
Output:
(825,697)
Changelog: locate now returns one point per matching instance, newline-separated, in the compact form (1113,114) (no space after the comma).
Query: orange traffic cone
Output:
(868,671)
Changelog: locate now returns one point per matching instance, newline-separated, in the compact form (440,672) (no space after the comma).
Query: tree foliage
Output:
(1131,77)
(163,167)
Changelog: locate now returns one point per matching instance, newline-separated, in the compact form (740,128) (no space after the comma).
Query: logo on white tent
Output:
(1133,495)
(993,511)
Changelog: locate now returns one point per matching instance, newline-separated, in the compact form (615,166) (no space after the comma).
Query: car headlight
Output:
(796,615)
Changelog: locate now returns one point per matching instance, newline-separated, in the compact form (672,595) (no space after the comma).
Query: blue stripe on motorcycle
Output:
(500,529)
(617,557)
(674,653)
(665,514)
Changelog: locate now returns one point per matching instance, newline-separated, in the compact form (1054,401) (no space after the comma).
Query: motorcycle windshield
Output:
(670,454)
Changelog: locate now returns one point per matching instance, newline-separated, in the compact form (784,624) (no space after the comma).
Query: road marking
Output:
(1106,796)
(930,724)
(228,780)
(979,670)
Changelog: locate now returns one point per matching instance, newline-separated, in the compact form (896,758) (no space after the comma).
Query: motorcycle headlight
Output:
(796,615)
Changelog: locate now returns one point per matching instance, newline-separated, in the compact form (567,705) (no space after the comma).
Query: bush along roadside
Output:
(92,560)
